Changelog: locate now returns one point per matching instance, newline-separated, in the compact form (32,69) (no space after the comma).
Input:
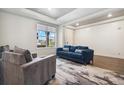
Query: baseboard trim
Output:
(114,64)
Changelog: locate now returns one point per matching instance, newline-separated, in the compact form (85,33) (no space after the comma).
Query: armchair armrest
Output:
(37,71)
(37,60)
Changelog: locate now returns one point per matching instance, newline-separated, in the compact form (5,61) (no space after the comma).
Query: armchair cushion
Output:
(26,53)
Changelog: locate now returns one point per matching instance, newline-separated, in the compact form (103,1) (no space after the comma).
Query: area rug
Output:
(71,73)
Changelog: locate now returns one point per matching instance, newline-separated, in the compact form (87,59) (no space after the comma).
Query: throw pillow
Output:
(78,51)
(6,48)
(1,50)
(66,49)
(26,53)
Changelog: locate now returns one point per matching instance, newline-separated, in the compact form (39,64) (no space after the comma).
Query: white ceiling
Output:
(77,14)
(101,17)
(53,12)
(67,16)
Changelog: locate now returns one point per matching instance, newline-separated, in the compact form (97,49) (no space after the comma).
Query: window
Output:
(45,36)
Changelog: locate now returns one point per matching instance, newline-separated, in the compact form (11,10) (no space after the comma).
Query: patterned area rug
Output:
(71,73)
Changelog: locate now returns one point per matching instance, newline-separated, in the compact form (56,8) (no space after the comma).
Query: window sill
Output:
(46,47)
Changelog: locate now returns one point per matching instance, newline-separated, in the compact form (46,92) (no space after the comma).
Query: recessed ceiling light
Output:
(109,15)
(77,24)
(49,9)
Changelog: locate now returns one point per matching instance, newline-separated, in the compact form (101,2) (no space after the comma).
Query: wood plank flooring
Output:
(114,64)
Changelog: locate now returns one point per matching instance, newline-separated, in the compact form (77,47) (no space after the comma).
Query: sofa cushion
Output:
(66,49)
(63,53)
(25,52)
(75,55)
(73,48)
(82,47)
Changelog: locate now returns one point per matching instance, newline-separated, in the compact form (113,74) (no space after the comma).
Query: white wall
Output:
(20,31)
(68,36)
(106,39)
(60,36)
(65,36)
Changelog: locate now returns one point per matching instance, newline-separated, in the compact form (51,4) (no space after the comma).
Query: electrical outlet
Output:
(118,53)
(119,28)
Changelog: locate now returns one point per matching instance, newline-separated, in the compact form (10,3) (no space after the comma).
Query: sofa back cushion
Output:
(73,48)
(67,46)
(82,47)
(25,52)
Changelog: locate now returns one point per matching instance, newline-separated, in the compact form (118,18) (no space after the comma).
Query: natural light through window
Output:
(46,36)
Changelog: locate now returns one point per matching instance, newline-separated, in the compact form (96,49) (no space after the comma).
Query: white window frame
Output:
(46,28)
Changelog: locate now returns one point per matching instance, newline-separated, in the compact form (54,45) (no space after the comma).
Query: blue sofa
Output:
(84,57)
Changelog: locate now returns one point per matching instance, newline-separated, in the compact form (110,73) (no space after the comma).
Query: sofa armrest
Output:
(91,54)
(88,55)
(84,55)
(59,49)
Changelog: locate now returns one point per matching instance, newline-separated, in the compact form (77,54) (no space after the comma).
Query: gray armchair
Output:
(1,72)
(2,49)
(18,72)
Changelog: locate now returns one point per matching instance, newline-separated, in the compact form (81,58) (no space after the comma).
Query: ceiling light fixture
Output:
(77,24)
(109,15)
(49,9)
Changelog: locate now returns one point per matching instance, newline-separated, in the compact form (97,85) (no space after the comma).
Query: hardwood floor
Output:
(114,64)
